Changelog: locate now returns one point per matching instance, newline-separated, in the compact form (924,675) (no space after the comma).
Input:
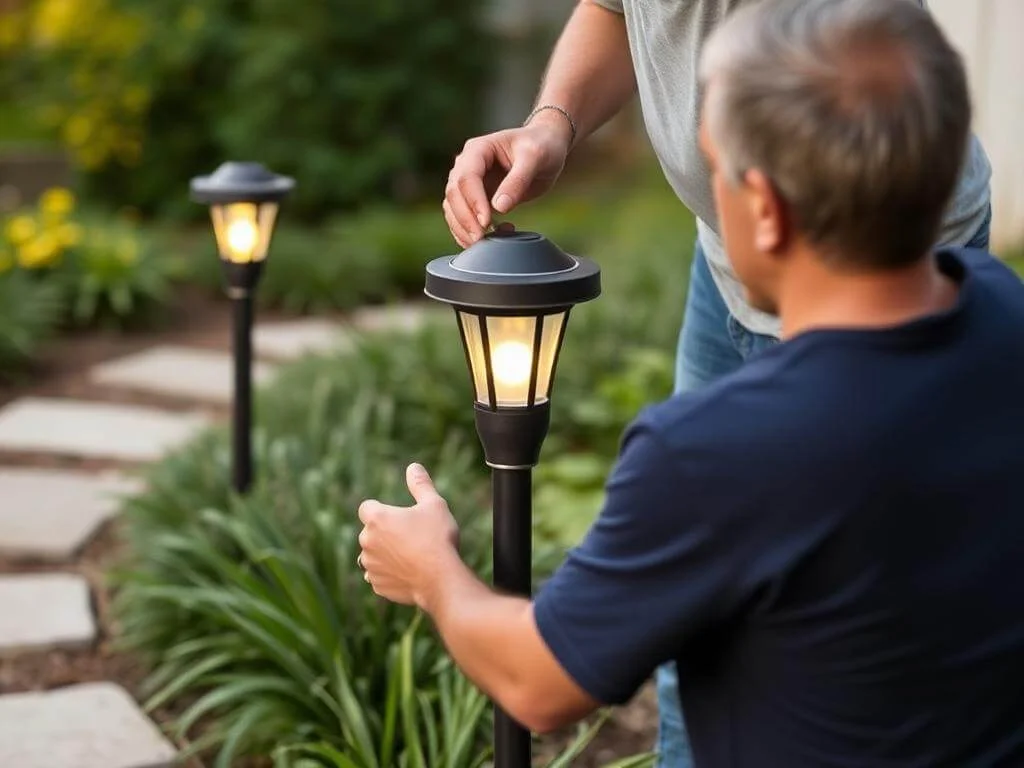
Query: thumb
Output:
(420,485)
(515,184)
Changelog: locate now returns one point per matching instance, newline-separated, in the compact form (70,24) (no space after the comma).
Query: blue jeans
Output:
(712,344)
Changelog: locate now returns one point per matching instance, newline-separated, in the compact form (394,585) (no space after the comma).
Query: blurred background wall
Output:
(988,34)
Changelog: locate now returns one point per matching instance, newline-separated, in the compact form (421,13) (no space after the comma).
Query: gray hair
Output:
(856,110)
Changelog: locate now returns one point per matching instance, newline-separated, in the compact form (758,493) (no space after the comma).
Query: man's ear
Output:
(768,211)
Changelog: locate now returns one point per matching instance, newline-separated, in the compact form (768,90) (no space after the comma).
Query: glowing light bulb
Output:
(512,361)
(242,237)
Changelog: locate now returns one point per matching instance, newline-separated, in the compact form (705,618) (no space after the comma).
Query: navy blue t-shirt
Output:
(830,545)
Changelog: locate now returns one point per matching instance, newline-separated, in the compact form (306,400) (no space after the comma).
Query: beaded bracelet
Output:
(566,115)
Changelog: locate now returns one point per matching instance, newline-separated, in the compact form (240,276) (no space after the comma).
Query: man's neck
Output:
(814,296)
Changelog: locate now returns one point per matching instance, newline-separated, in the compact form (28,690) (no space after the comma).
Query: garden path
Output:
(65,465)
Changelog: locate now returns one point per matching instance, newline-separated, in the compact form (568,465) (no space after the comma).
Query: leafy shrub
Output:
(375,254)
(280,631)
(114,278)
(103,271)
(29,311)
(252,610)
(360,99)
(262,595)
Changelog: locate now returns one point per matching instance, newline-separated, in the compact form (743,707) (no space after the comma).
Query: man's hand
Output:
(502,170)
(406,549)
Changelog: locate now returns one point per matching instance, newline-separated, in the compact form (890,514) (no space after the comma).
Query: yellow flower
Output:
(20,229)
(57,202)
(69,235)
(55,22)
(41,252)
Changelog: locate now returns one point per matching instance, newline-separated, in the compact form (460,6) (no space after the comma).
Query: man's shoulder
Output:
(986,266)
(738,410)
(1001,288)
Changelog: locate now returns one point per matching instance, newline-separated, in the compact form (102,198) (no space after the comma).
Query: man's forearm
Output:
(590,73)
(493,638)
(475,623)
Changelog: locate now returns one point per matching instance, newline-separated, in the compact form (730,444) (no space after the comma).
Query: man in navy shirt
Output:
(828,543)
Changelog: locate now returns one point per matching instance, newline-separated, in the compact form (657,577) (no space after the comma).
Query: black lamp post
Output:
(243,200)
(512,292)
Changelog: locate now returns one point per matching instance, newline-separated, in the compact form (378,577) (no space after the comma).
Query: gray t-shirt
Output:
(665,38)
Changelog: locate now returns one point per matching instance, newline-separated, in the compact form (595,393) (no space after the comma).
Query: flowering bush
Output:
(39,239)
(71,59)
(103,271)
(357,98)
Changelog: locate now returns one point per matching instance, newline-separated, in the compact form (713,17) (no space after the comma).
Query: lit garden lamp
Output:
(243,200)
(512,292)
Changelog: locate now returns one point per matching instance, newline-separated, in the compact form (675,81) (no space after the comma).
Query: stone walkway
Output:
(48,515)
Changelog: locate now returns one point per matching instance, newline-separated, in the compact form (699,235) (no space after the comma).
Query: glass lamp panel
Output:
(550,342)
(511,344)
(243,230)
(473,340)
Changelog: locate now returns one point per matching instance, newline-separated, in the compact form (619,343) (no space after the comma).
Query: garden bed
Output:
(332,431)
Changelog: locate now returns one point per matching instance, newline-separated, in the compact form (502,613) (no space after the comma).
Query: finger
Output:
(477,158)
(459,207)
(368,511)
(454,226)
(420,485)
(519,178)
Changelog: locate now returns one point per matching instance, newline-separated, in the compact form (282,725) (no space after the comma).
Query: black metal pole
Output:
(241,416)
(513,510)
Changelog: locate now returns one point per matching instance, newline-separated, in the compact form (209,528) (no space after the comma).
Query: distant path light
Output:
(243,199)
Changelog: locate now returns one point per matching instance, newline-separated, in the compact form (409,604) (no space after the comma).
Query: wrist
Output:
(440,582)
(556,122)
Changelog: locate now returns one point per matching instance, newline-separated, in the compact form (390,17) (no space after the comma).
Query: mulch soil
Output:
(198,320)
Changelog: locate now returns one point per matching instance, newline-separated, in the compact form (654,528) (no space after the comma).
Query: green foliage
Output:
(252,611)
(359,99)
(374,255)
(282,635)
(114,278)
(29,311)
(572,480)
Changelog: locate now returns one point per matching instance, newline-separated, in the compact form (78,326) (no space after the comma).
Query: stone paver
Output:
(94,430)
(43,611)
(49,514)
(399,317)
(96,725)
(293,339)
(198,374)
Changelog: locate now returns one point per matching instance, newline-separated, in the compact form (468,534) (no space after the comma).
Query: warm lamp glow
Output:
(243,230)
(511,361)
(242,236)
(502,352)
